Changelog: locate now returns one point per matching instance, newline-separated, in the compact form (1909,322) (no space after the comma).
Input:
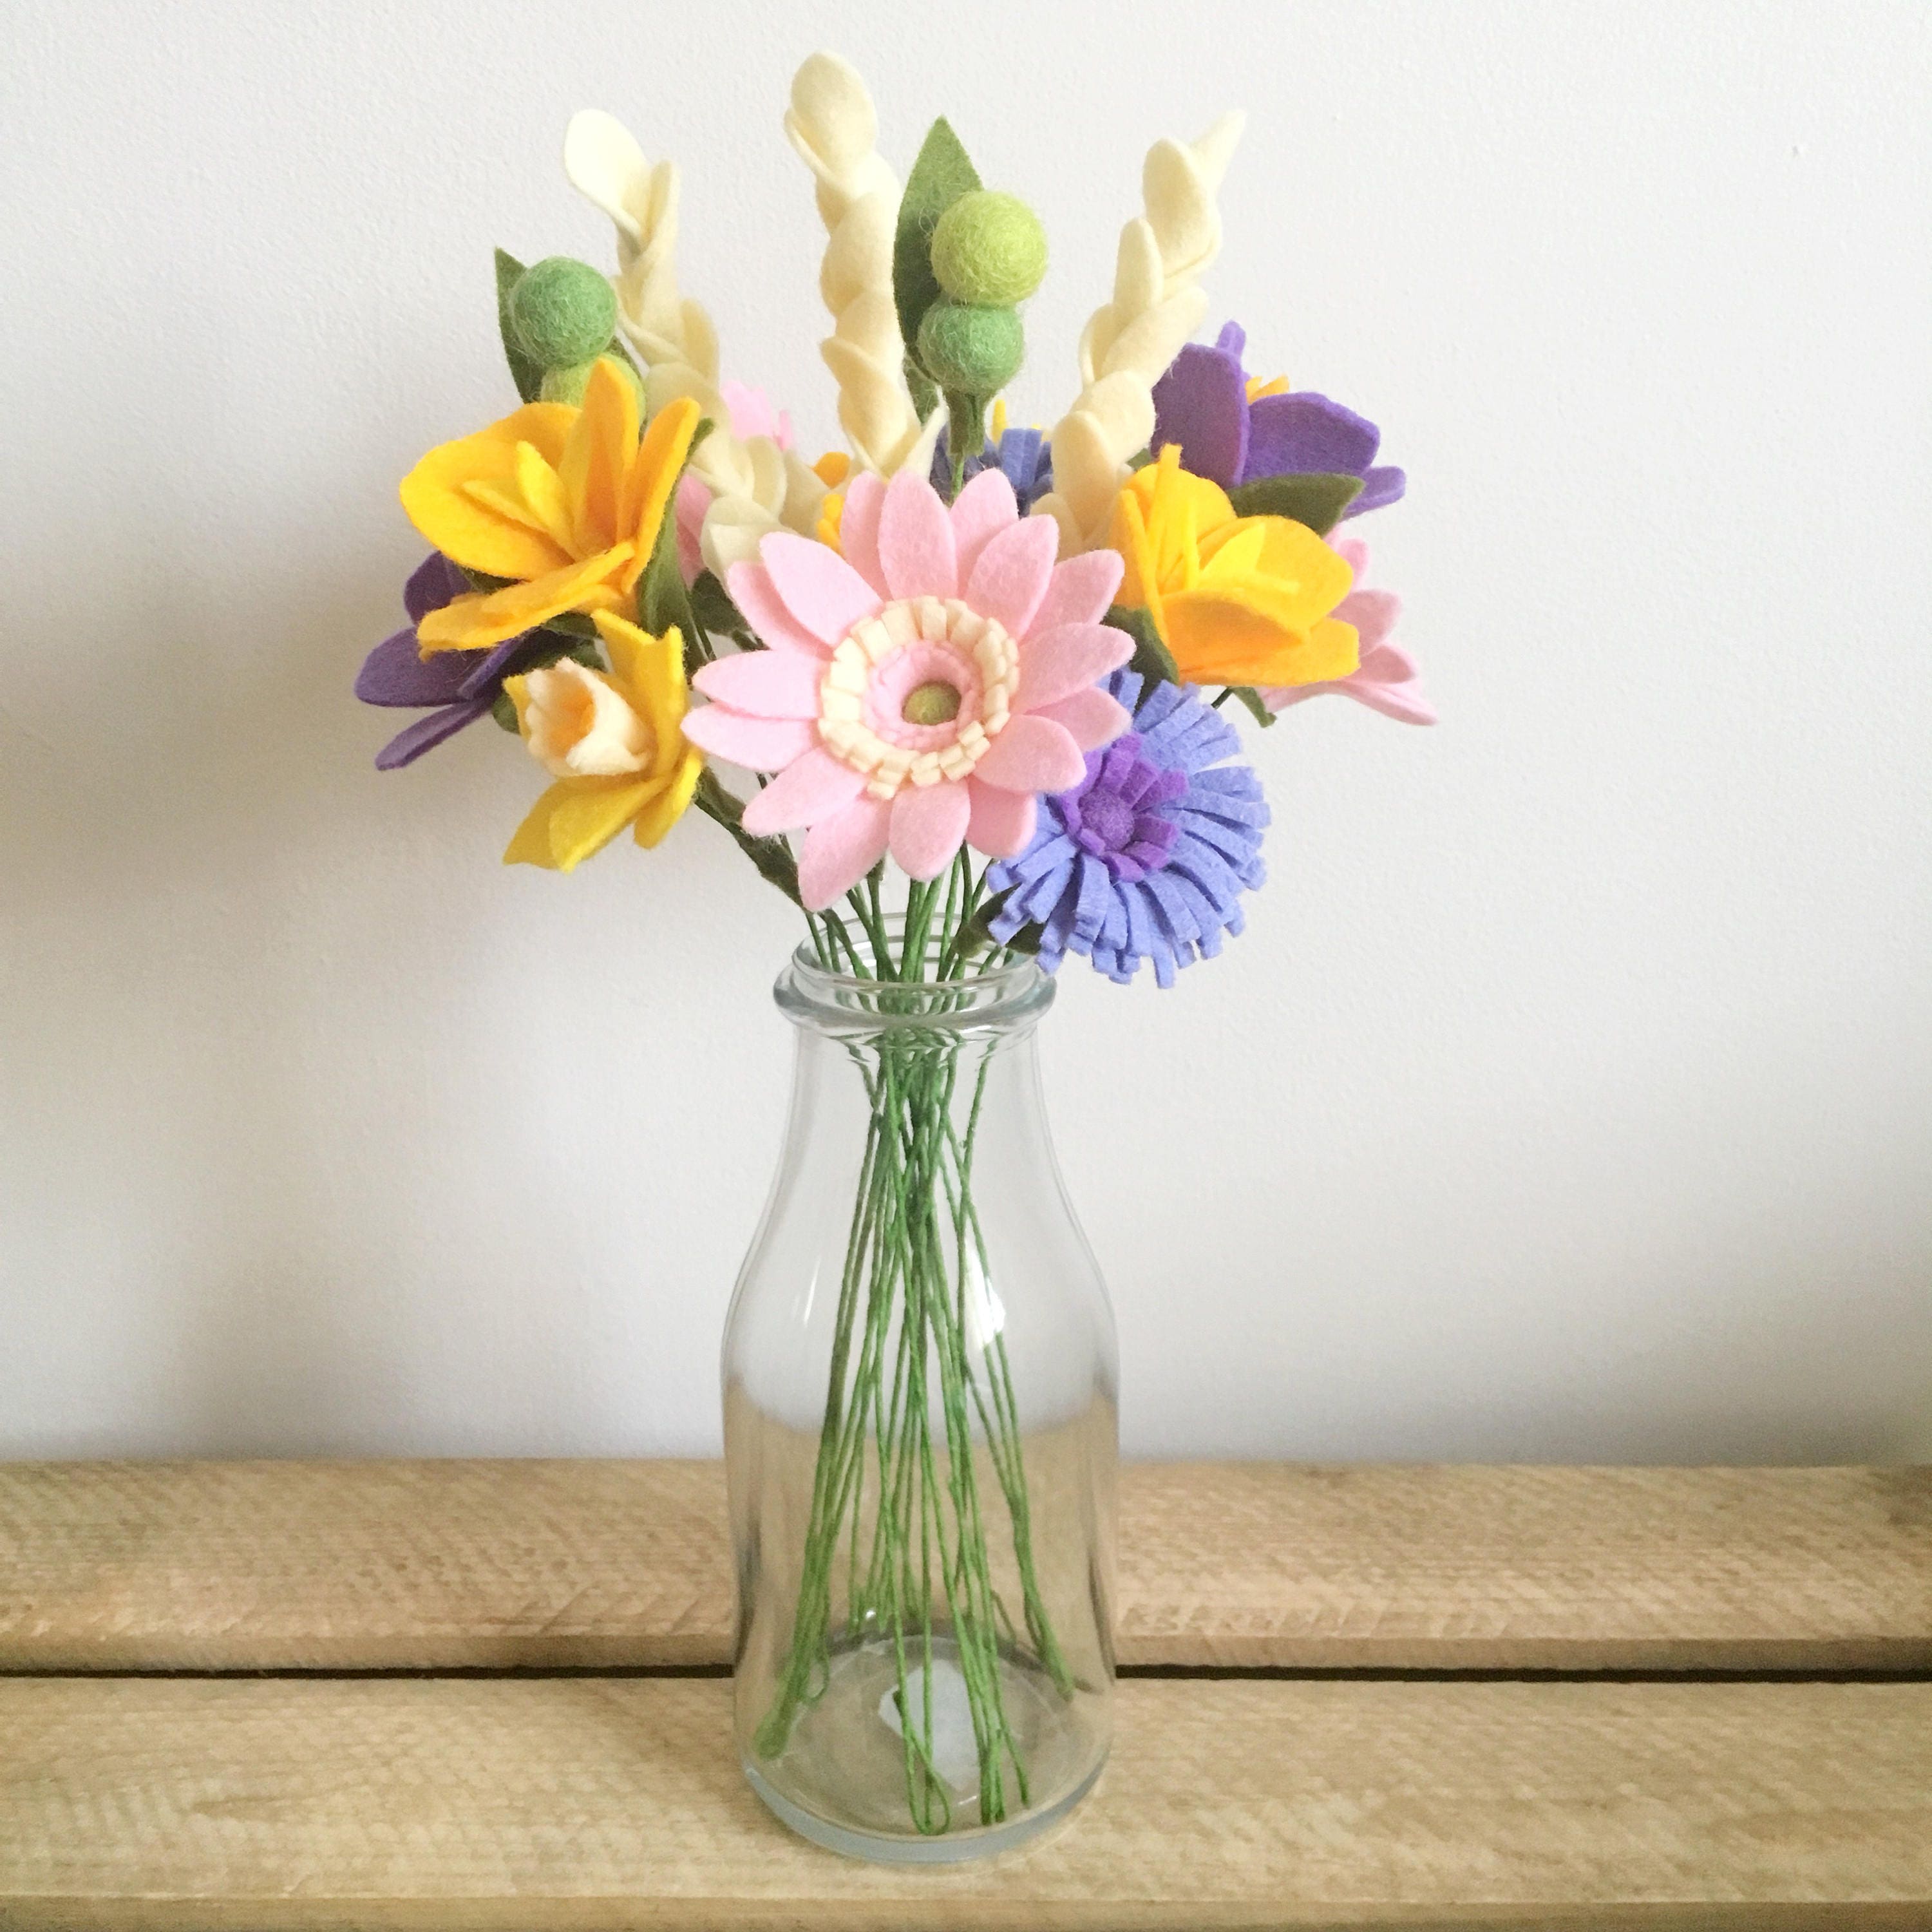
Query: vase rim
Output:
(1001,998)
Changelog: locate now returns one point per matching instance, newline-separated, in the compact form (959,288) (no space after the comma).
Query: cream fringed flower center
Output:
(887,668)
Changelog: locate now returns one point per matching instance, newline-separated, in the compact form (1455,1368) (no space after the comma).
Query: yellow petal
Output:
(475,622)
(477,534)
(576,817)
(660,814)
(1233,636)
(653,476)
(650,672)
(1295,558)
(598,456)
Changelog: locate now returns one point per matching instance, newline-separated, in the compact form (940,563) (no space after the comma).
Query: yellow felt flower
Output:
(567,502)
(1236,600)
(615,745)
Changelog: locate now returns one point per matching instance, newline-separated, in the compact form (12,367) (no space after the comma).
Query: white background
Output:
(1568,1097)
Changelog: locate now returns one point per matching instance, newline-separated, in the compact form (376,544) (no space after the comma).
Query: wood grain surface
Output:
(535,1803)
(436,1565)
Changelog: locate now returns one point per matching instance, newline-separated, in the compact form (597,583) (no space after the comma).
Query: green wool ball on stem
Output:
(977,351)
(567,385)
(563,312)
(989,251)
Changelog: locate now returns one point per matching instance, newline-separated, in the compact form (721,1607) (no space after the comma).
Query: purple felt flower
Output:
(1025,454)
(1202,403)
(462,685)
(1147,857)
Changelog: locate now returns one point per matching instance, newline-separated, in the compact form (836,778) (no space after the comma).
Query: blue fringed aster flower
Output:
(1146,858)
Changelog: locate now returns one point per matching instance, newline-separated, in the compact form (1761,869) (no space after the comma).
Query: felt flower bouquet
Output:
(967,693)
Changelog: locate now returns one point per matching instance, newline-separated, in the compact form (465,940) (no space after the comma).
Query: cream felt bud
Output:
(1130,341)
(832,123)
(578,724)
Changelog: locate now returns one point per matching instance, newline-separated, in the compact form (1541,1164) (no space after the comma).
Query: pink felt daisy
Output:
(1387,679)
(920,691)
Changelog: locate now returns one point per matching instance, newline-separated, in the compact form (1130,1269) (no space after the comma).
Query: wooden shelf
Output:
(600,1800)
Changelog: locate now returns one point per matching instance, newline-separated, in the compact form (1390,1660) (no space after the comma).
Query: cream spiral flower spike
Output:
(832,123)
(755,486)
(1130,341)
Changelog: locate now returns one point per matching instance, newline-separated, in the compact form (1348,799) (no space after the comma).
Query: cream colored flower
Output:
(578,724)
(1130,341)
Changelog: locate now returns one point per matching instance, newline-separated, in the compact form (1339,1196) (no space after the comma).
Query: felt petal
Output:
(576,817)
(1080,590)
(660,814)
(1373,613)
(1055,664)
(929,823)
(1302,432)
(1202,403)
(978,514)
(475,621)
(487,680)
(1380,488)
(820,588)
(840,850)
(1092,717)
(396,672)
(472,533)
(654,472)
(1002,823)
(754,592)
(813,787)
(766,684)
(1032,755)
(410,743)
(1353,552)
(916,547)
(758,744)
(1010,579)
(859,527)
(432,584)
(597,458)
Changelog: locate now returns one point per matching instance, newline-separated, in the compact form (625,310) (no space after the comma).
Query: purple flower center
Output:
(1116,812)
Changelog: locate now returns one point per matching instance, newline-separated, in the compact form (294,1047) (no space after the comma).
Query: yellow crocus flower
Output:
(615,744)
(566,503)
(1236,600)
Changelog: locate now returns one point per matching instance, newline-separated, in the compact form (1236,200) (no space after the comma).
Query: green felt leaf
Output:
(924,391)
(526,373)
(479,580)
(711,604)
(1246,695)
(505,713)
(1152,662)
(940,176)
(1316,499)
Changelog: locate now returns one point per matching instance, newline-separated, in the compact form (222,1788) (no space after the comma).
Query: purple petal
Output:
(410,743)
(486,677)
(397,672)
(1380,487)
(1302,432)
(1202,403)
(434,582)
(1234,340)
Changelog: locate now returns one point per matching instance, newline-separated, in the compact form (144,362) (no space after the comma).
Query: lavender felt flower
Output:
(1147,857)
(463,684)
(1202,403)
(1025,454)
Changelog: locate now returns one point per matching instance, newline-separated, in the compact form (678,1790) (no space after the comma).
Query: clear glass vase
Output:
(920,1424)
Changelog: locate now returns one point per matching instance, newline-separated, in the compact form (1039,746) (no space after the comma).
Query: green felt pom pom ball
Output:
(563,312)
(976,350)
(567,385)
(989,250)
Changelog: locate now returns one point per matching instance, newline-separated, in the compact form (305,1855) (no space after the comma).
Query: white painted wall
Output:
(1569,1095)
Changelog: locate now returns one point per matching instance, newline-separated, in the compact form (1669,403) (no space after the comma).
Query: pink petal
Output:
(754,593)
(840,850)
(929,822)
(1081,590)
(1091,716)
(820,588)
(1032,754)
(859,527)
(1055,664)
(1373,613)
(767,684)
(979,513)
(812,787)
(694,499)
(1011,577)
(915,540)
(1354,552)
(758,744)
(1002,823)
